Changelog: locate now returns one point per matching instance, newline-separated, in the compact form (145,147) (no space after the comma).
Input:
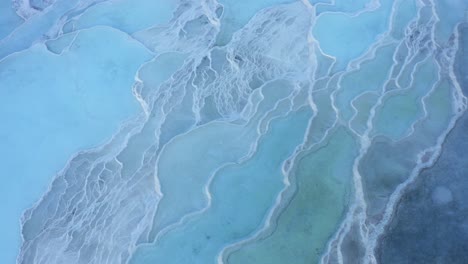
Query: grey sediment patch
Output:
(430,224)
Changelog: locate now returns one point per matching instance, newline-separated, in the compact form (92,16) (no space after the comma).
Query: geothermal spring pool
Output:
(234,131)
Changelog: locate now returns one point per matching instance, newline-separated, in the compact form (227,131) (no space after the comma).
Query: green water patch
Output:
(241,194)
(440,108)
(325,117)
(363,105)
(402,109)
(323,179)
(384,167)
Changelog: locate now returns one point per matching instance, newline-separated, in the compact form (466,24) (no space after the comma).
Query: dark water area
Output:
(431,221)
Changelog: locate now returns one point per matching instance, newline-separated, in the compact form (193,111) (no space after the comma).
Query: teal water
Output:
(180,131)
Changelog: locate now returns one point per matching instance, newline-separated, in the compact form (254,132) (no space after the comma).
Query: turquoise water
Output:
(180,131)
(48,117)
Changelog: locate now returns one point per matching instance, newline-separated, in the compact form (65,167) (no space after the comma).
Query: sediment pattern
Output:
(287,133)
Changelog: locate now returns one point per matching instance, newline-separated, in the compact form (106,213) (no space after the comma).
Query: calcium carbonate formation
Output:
(243,132)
